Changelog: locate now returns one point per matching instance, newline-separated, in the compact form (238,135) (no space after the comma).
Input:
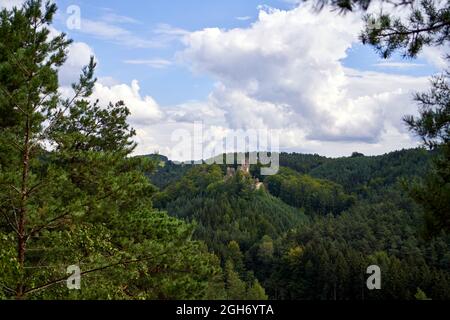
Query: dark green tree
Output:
(427,25)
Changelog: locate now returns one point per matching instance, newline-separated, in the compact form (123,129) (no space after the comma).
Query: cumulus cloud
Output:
(285,72)
(105,30)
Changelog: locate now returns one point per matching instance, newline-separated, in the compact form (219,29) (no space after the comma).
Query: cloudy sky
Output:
(250,64)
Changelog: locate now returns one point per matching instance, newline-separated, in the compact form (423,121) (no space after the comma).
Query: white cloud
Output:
(283,73)
(79,54)
(144,110)
(165,34)
(152,63)
(111,27)
(108,81)
(9,4)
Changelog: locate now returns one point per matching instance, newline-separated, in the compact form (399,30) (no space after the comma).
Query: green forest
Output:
(73,193)
(315,227)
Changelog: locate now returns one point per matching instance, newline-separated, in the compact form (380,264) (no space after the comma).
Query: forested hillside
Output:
(313,229)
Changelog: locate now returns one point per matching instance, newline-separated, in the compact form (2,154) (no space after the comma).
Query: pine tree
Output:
(427,25)
(70,192)
(433,126)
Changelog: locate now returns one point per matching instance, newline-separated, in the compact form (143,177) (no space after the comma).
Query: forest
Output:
(82,217)
(315,227)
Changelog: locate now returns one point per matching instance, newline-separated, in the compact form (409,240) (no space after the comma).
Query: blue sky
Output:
(240,65)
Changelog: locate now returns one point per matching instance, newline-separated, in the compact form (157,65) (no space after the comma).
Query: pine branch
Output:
(65,214)
(7,288)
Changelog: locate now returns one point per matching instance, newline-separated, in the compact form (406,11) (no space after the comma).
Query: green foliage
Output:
(327,259)
(230,216)
(432,124)
(427,24)
(432,193)
(70,194)
(302,163)
(226,210)
(361,174)
(236,288)
(256,292)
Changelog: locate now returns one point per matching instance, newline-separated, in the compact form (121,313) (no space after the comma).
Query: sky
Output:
(270,65)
